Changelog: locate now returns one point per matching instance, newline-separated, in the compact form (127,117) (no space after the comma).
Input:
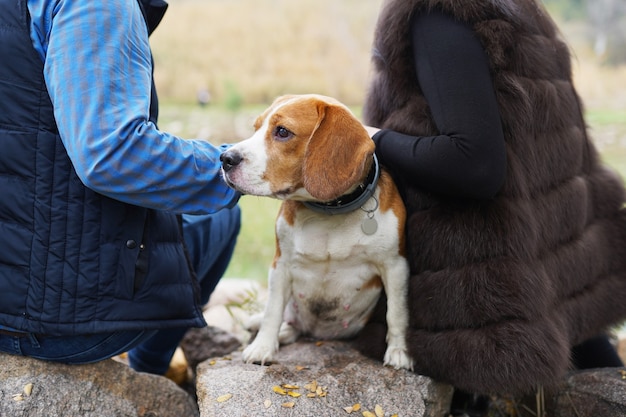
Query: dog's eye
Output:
(281,133)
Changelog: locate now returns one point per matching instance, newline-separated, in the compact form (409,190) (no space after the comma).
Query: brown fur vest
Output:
(500,290)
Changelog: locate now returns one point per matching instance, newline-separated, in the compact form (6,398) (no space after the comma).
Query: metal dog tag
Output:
(369,225)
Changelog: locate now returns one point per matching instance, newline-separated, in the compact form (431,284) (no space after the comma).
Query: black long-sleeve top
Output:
(467,159)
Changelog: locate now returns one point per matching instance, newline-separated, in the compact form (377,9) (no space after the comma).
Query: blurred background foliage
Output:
(258,49)
(606,21)
(218,63)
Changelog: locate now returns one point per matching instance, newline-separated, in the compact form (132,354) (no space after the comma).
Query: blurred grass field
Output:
(245,53)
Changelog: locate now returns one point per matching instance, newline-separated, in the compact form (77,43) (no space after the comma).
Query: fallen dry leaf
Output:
(355,407)
(279,390)
(368,414)
(289,386)
(293,394)
(312,386)
(311,395)
(28,389)
(288,405)
(267,403)
(379,411)
(320,392)
(224,398)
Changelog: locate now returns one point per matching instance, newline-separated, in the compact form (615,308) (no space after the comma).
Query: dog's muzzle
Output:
(230,159)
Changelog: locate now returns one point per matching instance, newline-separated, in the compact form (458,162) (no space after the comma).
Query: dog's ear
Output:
(338,153)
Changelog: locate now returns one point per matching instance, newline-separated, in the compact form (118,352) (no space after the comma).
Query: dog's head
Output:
(305,147)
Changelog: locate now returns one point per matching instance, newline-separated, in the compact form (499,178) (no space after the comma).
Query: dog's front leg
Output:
(395,279)
(265,344)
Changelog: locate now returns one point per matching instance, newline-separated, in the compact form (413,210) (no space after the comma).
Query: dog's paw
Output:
(253,323)
(287,334)
(259,352)
(398,358)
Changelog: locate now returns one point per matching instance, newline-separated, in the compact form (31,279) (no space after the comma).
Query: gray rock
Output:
(200,344)
(590,393)
(230,388)
(103,389)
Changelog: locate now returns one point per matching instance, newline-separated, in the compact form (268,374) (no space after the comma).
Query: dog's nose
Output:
(230,159)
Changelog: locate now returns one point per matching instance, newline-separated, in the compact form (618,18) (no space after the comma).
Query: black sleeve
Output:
(467,158)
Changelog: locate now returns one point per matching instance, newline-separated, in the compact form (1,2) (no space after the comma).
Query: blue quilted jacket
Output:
(71,260)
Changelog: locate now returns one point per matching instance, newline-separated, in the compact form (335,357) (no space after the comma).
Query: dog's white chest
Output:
(334,238)
(333,267)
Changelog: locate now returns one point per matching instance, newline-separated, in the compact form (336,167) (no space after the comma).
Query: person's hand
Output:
(371,130)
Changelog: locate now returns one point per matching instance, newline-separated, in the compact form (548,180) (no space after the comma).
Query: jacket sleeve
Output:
(98,72)
(467,157)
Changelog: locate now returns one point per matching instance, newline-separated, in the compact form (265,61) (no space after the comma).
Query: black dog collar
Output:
(350,202)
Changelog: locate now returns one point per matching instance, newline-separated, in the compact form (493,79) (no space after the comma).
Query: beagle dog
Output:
(339,231)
